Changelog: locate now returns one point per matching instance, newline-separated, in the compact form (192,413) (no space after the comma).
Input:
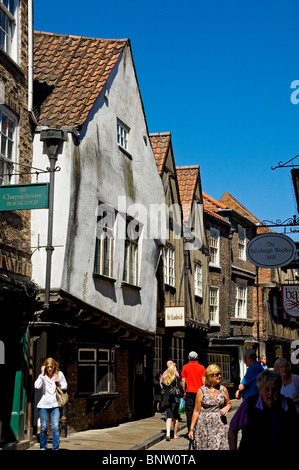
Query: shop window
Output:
(96,370)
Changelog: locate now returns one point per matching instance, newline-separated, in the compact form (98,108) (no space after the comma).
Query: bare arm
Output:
(239,391)
(228,404)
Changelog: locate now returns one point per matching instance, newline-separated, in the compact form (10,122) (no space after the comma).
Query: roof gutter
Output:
(30,60)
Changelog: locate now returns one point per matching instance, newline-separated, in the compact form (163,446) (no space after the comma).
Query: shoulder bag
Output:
(62,397)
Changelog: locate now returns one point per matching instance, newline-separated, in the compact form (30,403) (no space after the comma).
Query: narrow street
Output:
(182,444)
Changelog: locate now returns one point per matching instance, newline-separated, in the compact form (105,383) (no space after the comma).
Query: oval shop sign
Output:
(271,250)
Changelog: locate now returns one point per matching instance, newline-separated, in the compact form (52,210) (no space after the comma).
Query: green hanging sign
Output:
(24,196)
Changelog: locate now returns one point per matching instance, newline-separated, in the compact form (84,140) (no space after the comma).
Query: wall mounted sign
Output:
(290,299)
(174,316)
(24,196)
(271,250)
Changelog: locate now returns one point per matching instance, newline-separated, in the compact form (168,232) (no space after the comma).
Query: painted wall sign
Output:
(271,250)
(174,316)
(290,299)
(24,196)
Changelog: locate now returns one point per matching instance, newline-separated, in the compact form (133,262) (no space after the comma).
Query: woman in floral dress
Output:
(208,426)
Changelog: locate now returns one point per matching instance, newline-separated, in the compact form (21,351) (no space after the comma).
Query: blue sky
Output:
(217,75)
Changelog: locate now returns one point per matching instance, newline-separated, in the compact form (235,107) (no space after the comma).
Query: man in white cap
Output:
(193,377)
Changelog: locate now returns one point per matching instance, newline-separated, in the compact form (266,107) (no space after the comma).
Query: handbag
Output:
(191,444)
(177,390)
(62,397)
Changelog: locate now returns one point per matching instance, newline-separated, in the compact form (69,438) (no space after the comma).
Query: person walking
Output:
(192,378)
(263,362)
(266,417)
(248,385)
(171,399)
(209,427)
(49,378)
(290,382)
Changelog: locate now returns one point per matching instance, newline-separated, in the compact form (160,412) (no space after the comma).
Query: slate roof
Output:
(160,142)
(69,74)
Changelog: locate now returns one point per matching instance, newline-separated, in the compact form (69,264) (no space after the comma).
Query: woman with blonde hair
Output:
(209,427)
(290,382)
(171,398)
(49,377)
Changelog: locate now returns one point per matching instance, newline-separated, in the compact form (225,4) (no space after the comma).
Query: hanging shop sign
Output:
(271,250)
(24,196)
(174,316)
(290,299)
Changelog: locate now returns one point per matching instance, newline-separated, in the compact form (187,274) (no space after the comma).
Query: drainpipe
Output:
(30,60)
(52,139)
(258,313)
(230,238)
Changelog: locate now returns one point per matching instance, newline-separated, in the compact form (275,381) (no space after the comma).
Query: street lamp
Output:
(52,139)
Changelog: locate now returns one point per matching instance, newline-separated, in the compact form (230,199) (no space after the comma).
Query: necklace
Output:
(213,389)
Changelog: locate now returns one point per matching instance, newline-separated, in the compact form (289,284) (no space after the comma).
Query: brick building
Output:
(17,292)
(273,329)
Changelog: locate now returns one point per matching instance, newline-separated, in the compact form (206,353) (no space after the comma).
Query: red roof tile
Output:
(72,70)
(233,203)
(211,207)
(160,142)
(187,178)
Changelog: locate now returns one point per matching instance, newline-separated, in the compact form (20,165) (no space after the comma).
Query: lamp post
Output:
(52,139)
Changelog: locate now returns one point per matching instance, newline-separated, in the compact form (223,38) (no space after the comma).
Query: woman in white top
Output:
(290,382)
(49,377)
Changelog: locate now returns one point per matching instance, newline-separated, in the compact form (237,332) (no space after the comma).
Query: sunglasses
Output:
(217,375)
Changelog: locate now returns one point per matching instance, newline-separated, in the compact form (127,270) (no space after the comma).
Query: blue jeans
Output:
(44,417)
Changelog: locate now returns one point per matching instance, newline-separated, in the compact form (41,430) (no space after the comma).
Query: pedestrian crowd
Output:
(269,411)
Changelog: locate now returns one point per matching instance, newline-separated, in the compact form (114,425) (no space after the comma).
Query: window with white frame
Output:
(223,361)
(8,26)
(8,131)
(241,242)
(158,356)
(96,370)
(214,246)
(104,242)
(133,229)
(241,300)
(122,135)
(169,266)
(198,279)
(214,305)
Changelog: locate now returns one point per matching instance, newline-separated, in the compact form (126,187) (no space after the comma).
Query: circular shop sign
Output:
(271,250)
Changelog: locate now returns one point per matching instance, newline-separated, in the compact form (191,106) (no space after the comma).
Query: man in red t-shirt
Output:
(193,377)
